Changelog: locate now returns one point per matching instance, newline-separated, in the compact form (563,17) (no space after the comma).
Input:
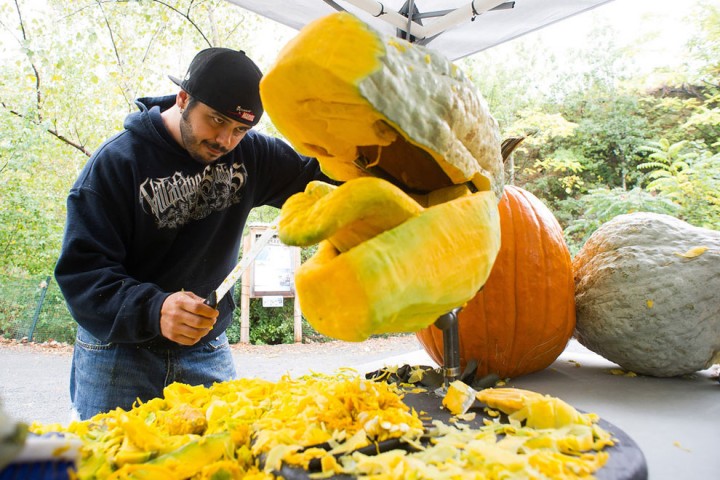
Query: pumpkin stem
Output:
(509,145)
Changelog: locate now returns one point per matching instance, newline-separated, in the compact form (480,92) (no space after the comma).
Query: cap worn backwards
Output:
(227,81)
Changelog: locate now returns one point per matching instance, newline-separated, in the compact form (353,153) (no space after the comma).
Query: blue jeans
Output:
(105,376)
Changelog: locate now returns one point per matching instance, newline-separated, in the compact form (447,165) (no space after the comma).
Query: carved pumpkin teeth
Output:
(347,215)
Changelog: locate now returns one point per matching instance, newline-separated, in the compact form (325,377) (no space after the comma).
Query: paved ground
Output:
(34,378)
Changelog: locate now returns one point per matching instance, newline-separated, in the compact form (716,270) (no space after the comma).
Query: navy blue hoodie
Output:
(145,220)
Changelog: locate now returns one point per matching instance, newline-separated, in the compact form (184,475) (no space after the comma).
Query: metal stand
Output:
(448,323)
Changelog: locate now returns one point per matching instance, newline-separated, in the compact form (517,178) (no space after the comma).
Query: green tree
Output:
(73,70)
(704,121)
(599,98)
(538,163)
(585,214)
(513,78)
(689,177)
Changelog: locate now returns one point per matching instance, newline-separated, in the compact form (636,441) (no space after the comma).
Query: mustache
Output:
(217,146)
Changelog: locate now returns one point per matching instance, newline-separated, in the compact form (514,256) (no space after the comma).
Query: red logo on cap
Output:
(249,116)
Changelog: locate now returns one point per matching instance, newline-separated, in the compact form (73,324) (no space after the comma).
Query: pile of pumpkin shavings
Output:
(250,428)
(543,438)
(324,416)
(243,428)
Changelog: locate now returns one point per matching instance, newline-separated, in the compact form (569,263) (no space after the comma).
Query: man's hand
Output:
(185,319)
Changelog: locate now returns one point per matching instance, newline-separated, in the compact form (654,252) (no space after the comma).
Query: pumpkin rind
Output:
(647,294)
(368,105)
(522,319)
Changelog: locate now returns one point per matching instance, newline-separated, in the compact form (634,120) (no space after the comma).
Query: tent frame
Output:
(410,27)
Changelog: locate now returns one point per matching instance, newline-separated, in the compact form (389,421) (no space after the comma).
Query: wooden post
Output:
(245,297)
(297,326)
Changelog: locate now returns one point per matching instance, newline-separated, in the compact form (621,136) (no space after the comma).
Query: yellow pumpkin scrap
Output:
(693,252)
(543,412)
(242,420)
(507,400)
(495,451)
(537,410)
(459,397)
(400,265)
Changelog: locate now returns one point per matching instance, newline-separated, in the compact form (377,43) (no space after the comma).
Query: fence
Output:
(34,308)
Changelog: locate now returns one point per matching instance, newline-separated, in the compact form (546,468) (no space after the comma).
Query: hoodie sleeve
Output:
(101,295)
(281,171)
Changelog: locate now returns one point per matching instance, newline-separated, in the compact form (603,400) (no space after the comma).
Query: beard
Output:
(196,148)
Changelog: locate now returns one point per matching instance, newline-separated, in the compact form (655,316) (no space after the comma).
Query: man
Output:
(154,224)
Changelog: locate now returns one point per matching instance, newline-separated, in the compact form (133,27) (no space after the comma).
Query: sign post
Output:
(271,277)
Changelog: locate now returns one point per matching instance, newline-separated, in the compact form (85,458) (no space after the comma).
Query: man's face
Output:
(207,134)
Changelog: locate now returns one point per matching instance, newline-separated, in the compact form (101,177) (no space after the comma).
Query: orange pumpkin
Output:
(522,319)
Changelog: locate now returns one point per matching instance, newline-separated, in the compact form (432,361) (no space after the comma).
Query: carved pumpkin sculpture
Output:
(414,230)
(524,316)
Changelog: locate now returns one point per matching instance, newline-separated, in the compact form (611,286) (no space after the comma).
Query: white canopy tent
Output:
(456,28)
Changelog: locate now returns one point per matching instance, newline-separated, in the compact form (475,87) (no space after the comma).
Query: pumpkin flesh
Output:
(347,215)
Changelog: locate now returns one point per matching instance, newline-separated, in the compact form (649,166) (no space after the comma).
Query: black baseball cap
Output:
(227,81)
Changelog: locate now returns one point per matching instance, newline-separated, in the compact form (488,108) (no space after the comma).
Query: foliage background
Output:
(605,134)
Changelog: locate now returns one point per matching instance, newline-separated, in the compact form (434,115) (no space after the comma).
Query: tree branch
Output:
(186,16)
(69,142)
(119,61)
(51,131)
(38,94)
(38,120)
(111,33)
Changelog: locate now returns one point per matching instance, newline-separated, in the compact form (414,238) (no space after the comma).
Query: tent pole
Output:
(450,20)
(377,9)
(411,7)
(458,16)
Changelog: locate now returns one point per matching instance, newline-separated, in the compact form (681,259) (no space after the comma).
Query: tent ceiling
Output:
(456,28)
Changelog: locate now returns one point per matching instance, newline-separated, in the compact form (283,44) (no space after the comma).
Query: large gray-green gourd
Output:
(647,292)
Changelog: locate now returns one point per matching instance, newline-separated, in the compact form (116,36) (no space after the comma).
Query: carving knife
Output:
(244,263)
